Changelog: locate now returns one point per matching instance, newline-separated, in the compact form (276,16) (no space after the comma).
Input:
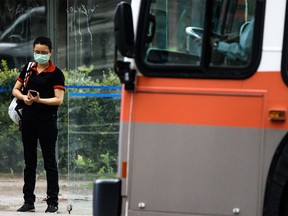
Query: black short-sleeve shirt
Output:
(45,83)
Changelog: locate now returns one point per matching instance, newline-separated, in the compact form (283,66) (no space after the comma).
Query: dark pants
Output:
(44,130)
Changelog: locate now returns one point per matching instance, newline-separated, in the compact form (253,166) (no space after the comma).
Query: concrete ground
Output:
(78,195)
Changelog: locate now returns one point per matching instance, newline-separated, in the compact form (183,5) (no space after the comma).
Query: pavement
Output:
(77,195)
(79,208)
(36,213)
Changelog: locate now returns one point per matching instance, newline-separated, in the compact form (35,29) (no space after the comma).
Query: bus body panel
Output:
(203,146)
(263,84)
(199,170)
(196,150)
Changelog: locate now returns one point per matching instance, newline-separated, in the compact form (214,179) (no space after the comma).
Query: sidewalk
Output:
(36,213)
(79,208)
(75,194)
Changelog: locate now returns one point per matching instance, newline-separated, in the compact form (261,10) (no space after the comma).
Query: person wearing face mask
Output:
(43,93)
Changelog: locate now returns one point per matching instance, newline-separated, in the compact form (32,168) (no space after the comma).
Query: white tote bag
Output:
(14,112)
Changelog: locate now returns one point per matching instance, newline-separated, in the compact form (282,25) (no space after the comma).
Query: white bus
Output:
(203,113)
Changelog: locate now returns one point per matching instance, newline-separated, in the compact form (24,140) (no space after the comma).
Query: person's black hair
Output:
(43,41)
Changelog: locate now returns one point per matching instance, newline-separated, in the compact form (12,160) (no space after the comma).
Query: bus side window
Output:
(192,38)
(168,44)
(231,35)
(234,47)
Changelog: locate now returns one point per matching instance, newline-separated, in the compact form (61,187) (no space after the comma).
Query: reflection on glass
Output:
(21,22)
(93,140)
(89,117)
(93,98)
(90,34)
(168,39)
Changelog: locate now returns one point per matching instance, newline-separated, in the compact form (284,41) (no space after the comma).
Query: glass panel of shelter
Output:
(93,99)
(21,21)
(87,145)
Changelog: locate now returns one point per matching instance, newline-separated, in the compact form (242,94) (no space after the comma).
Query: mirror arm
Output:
(125,74)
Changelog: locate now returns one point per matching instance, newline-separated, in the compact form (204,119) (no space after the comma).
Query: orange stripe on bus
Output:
(124,170)
(239,103)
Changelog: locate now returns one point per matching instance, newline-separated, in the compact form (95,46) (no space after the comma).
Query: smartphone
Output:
(33,93)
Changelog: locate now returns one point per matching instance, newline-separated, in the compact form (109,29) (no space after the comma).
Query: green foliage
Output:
(10,142)
(93,125)
(7,77)
(107,169)
(88,126)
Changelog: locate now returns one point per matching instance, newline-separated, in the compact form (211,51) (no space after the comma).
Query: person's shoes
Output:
(26,207)
(52,209)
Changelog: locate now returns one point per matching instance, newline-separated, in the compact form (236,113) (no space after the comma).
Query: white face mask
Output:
(41,58)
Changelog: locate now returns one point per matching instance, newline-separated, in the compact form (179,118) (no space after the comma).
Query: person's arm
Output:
(18,94)
(232,50)
(239,50)
(57,100)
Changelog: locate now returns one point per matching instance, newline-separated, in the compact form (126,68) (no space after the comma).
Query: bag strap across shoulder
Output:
(30,64)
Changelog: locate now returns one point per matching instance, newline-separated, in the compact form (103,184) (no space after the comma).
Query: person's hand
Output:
(33,98)
(217,58)
(232,38)
(214,42)
(27,100)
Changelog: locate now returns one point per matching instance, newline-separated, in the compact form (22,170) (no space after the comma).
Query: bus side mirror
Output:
(123,29)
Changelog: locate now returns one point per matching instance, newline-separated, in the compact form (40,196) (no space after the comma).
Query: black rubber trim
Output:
(275,200)
(284,62)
